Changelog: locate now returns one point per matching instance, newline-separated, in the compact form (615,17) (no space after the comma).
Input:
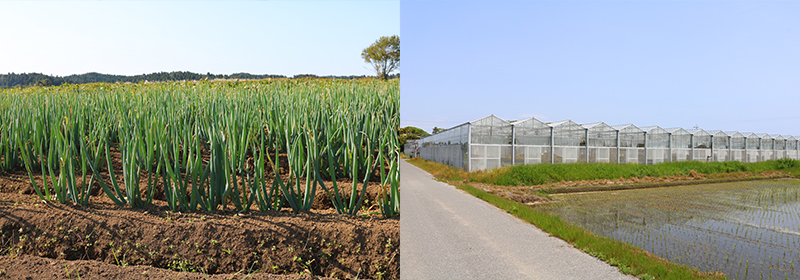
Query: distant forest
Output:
(37,79)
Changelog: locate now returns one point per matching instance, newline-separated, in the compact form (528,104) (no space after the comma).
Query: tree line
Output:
(37,79)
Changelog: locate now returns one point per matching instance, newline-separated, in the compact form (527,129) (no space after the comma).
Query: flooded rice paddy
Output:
(747,230)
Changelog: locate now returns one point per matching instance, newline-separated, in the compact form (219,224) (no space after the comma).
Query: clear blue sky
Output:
(728,65)
(135,37)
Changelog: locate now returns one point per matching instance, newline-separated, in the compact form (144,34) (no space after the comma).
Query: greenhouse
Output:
(701,144)
(601,142)
(766,146)
(481,144)
(631,143)
(752,145)
(492,142)
(569,142)
(656,144)
(447,147)
(737,146)
(680,144)
(791,147)
(719,145)
(779,146)
(531,142)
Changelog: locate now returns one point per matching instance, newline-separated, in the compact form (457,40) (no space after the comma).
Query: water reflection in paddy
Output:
(747,230)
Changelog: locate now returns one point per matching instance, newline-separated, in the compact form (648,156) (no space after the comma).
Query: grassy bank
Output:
(629,259)
(537,174)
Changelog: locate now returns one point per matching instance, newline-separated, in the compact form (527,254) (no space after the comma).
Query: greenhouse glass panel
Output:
(600,154)
(490,156)
(681,154)
(566,154)
(447,147)
(506,152)
(680,138)
(779,145)
(737,140)
(631,144)
(738,153)
(766,141)
(478,164)
(767,155)
(490,130)
(657,137)
(719,146)
(719,140)
(767,146)
(601,139)
(531,142)
(791,142)
(628,155)
(532,154)
(489,143)
(779,141)
(752,141)
(791,147)
(630,136)
(752,147)
(657,144)
(701,141)
(569,139)
(568,133)
(600,135)
(531,132)
(680,144)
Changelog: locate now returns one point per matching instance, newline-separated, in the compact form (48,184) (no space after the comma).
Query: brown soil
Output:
(41,240)
(31,268)
(530,194)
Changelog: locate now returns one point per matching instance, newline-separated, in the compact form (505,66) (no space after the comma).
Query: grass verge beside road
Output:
(537,174)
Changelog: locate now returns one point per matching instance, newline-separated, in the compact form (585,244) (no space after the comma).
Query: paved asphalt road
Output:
(448,234)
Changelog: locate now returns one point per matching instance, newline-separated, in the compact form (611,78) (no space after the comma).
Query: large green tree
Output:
(410,133)
(384,55)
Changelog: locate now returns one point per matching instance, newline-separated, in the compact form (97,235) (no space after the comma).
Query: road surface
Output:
(448,234)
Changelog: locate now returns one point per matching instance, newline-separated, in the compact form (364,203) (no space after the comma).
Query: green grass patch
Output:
(629,259)
(537,174)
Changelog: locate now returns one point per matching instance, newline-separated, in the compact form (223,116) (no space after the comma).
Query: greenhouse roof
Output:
(734,133)
(595,125)
(529,122)
(717,133)
(763,135)
(629,126)
(654,129)
(698,132)
(490,120)
(677,130)
(560,123)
